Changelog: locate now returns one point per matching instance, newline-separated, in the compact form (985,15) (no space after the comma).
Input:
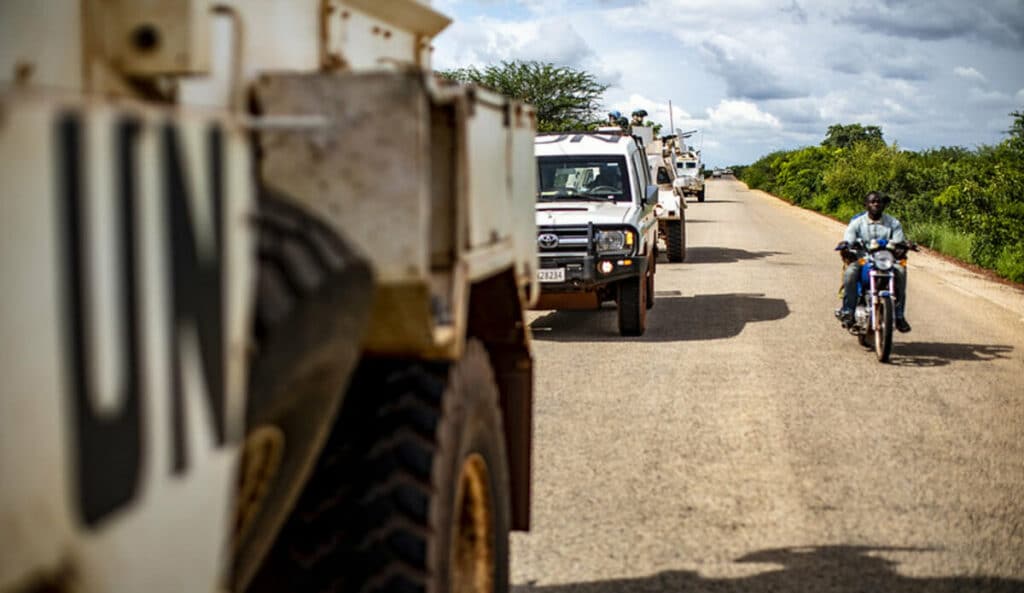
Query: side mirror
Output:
(651,196)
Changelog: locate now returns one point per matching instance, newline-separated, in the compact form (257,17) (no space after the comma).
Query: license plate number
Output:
(551,275)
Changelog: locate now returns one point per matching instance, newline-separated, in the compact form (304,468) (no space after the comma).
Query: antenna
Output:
(671,124)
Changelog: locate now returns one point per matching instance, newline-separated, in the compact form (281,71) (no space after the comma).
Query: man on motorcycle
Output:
(868,225)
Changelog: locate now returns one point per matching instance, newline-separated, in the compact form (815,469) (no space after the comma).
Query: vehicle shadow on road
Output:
(935,354)
(724,255)
(820,569)
(673,319)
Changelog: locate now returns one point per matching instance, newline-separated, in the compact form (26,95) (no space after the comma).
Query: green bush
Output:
(965,203)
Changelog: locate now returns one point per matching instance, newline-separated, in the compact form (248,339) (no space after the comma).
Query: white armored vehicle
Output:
(264,289)
(689,173)
(671,206)
(597,231)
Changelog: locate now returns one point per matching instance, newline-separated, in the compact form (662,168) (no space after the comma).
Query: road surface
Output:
(746,443)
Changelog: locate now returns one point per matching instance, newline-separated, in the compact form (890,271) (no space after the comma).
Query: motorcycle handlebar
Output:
(859,244)
(849,250)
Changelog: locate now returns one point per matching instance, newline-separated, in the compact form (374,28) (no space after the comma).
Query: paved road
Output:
(746,444)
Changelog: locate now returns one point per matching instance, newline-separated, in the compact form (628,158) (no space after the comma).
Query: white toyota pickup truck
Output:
(597,229)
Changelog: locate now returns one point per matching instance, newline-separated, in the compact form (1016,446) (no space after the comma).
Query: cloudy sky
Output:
(760,75)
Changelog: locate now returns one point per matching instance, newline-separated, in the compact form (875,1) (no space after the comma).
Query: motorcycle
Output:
(873,317)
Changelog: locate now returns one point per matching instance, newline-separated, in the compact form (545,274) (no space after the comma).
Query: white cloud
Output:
(907,90)
(485,41)
(656,110)
(730,114)
(990,98)
(996,22)
(751,71)
(969,73)
(894,112)
(760,75)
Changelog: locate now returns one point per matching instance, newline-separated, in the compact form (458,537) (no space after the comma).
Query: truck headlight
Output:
(611,241)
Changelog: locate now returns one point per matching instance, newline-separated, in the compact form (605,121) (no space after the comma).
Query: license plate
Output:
(551,275)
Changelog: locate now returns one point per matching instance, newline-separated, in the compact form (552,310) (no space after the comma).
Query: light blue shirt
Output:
(863,228)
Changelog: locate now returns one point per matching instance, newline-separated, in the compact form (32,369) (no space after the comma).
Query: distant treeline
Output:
(966,203)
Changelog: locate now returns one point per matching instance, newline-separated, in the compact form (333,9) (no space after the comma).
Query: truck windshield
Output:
(687,168)
(603,178)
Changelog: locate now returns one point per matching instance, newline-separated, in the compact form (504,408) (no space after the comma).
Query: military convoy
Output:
(265,280)
(264,290)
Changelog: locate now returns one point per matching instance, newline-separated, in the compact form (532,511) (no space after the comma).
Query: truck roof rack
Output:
(608,136)
(576,136)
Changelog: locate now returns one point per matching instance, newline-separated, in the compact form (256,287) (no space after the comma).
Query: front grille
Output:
(572,240)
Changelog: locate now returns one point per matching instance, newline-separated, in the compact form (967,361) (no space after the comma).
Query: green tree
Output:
(1017,129)
(963,202)
(565,98)
(845,136)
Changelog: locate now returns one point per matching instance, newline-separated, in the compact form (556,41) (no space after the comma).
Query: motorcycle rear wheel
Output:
(883,328)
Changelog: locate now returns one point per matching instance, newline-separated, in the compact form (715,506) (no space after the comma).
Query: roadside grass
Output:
(942,238)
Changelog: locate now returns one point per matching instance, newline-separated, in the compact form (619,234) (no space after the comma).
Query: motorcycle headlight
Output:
(884,260)
(611,241)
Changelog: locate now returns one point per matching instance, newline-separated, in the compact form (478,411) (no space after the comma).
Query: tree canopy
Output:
(845,136)
(1017,129)
(968,203)
(565,98)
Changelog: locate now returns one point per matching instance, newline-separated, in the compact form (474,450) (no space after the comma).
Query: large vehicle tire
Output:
(412,493)
(633,306)
(312,308)
(883,330)
(700,195)
(676,240)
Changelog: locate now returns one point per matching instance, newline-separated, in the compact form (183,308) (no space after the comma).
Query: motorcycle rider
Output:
(866,226)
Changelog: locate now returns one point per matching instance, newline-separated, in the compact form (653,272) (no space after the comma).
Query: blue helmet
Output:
(615,114)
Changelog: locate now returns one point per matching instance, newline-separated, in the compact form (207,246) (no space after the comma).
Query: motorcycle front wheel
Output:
(883,328)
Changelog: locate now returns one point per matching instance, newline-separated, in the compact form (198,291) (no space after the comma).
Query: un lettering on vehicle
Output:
(126,237)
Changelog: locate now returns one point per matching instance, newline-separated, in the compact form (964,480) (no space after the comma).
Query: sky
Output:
(755,76)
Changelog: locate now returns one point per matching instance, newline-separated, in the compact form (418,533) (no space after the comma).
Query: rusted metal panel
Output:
(434,184)
(366,171)
(378,34)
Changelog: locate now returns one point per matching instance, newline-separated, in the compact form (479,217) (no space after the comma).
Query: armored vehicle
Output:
(264,279)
